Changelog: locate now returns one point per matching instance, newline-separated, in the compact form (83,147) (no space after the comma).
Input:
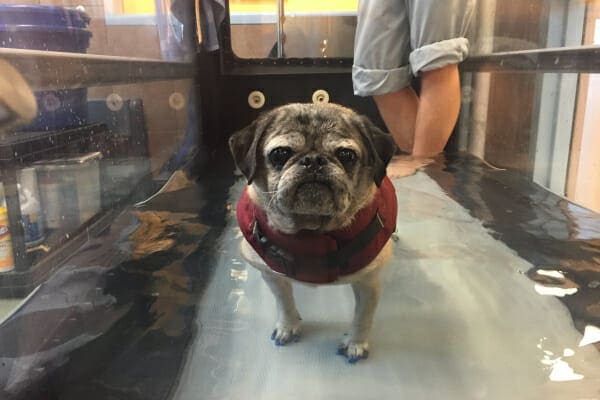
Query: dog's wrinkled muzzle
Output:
(314,198)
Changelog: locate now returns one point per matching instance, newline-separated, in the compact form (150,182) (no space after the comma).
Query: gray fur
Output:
(294,198)
(319,196)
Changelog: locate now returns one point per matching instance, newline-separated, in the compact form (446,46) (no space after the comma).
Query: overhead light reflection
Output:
(562,372)
(237,296)
(550,273)
(568,353)
(591,334)
(239,275)
(554,291)
(238,233)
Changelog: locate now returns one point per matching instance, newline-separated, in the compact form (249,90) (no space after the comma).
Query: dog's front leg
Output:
(288,322)
(366,293)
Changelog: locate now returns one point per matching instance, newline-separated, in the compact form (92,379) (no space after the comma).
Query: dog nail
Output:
(273,335)
(296,338)
(341,351)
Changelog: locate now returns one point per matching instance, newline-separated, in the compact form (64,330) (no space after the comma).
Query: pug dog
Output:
(317,209)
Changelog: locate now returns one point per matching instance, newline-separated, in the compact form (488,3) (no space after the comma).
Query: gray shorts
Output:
(396,39)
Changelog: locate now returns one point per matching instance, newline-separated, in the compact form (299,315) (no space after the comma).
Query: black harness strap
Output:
(346,251)
(335,260)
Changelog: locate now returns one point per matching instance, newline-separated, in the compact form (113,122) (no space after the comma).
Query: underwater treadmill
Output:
(492,293)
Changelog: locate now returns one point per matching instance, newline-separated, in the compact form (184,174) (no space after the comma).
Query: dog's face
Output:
(311,166)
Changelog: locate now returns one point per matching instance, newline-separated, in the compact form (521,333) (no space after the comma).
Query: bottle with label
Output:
(7,262)
(31,213)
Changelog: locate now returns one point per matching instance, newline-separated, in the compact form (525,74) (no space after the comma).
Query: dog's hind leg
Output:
(287,328)
(366,293)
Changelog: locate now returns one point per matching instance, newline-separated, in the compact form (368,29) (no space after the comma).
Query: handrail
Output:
(50,70)
(580,59)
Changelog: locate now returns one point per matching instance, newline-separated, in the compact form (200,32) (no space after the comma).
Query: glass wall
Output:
(315,29)
(131,28)
(531,122)
(97,109)
(100,114)
(541,124)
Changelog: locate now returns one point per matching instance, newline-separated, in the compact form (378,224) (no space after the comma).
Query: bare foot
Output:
(402,166)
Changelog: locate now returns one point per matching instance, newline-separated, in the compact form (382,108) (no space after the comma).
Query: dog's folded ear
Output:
(244,144)
(380,147)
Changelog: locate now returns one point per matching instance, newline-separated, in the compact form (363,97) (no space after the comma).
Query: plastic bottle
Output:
(30,213)
(7,261)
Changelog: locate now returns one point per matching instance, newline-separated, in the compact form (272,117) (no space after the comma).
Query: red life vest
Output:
(322,257)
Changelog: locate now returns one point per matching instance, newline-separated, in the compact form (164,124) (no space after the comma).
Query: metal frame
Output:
(582,59)
(231,64)
(579,59)
(50,70)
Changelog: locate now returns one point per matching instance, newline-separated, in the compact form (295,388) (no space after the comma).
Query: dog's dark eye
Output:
(346,156)
(279,156)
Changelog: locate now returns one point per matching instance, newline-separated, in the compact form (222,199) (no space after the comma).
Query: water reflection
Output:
(118,318)
(562,372)
(591,335)
(459,318)
(161,305)
(554,291)
(544,229)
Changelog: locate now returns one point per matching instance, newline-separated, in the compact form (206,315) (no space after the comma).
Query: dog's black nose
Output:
(313,163)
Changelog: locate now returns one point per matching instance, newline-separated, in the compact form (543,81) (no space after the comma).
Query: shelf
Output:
(19,283)
(50,70)
(26,147)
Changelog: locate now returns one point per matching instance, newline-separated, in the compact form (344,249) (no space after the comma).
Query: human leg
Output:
(438,31)
(421,125)
(439,105)
(399,112)
(381,68)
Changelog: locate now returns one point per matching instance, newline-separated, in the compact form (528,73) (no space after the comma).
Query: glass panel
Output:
(121,274)
(309,29)
(320,28)
(532,24)
(326,28)
(254,28)
(76,165)
(547,132)
(131,28)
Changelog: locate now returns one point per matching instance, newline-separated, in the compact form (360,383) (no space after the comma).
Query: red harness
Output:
(323,257)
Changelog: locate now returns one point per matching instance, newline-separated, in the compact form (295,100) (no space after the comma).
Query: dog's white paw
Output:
(354,351)
(285,333)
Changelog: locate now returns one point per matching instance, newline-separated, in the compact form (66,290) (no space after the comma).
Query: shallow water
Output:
(459,318)
(493,293)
